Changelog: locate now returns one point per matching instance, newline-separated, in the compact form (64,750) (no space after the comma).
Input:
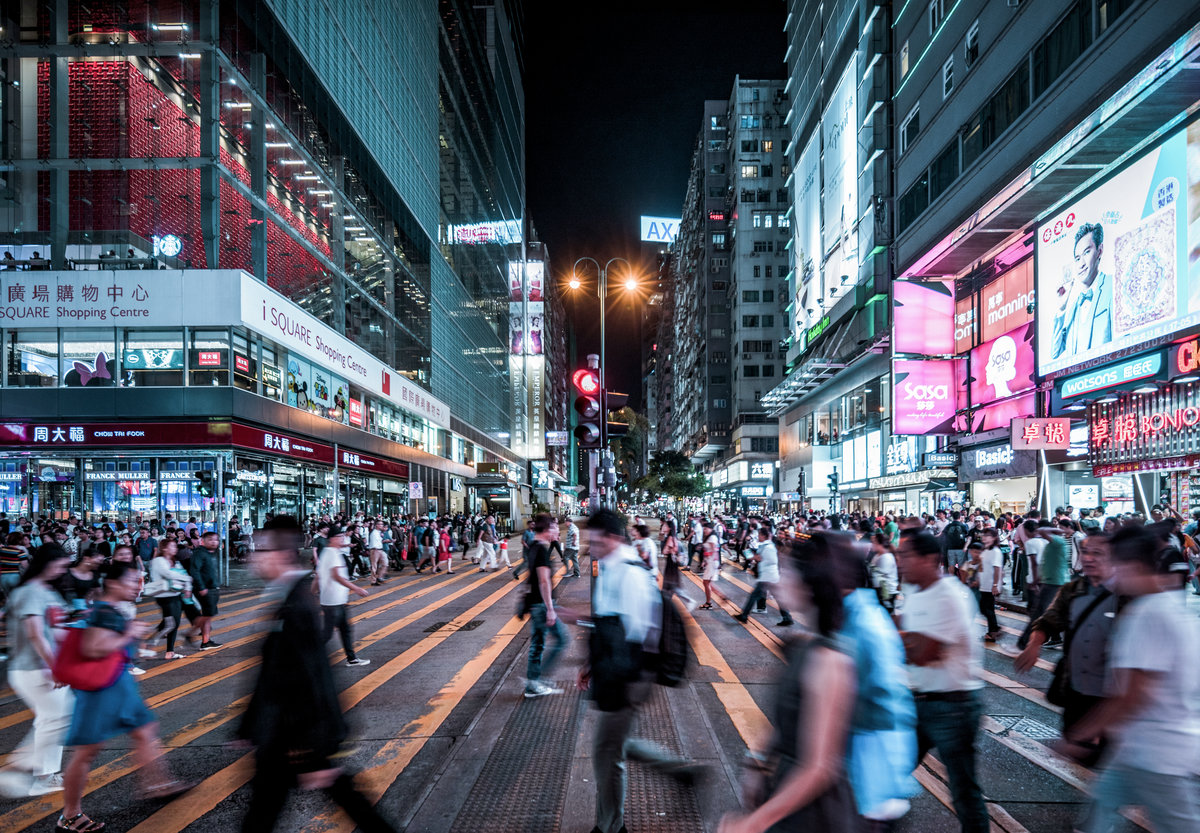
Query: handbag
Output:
(1059,690)
(83,673)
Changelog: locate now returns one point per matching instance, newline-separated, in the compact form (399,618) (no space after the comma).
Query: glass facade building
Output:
(365,162)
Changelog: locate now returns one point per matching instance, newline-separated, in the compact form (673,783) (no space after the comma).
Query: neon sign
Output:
(1185,358)
(1124,428)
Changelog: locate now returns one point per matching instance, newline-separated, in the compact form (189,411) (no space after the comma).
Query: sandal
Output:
(706,606)
(79,824)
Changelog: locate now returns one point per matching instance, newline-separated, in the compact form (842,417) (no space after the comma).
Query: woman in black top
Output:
(799,782)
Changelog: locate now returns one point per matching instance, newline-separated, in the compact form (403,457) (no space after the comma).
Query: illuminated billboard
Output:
(1113,267)
(839,134)
(923,317)
(1003,366)
(807,224)
(924,395)
(659,229)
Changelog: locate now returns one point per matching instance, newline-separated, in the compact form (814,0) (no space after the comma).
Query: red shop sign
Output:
(1185,359)
(278,443)
(242,364)
(375,465)
(1188,461)
(105,434)
(1129,427)
(356,412)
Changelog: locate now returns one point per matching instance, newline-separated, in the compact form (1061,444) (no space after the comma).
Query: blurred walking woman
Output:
(32,611)
(799,782)
(169,584)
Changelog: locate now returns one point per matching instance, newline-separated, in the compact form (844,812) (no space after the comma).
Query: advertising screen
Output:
(1004,303)
(659,229)
(1003,366)
(807,223)
(923,317)
(966,325)
(923,396)
(839,137)
(1113,268)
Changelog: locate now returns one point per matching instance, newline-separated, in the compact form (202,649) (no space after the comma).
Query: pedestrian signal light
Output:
(204,483)
(833,482)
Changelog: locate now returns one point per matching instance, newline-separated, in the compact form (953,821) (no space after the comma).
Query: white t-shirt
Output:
(697,533)
(1156,633)
(1033,549)
(992,559)
(375,540)
(331,565)
(647,550)
(945,611)
(768,568)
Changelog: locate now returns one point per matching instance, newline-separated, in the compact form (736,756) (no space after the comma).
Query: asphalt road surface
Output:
(444,741)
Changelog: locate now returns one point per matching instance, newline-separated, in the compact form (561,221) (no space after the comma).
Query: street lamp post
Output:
(602,293)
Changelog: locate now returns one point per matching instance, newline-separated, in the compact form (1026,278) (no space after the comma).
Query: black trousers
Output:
(987,606)
(269,789)
(337,616)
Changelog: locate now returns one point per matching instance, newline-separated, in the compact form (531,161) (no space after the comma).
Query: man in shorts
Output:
(203,570)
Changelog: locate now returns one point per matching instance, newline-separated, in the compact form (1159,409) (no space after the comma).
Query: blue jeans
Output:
(537,643)
(1171,801)
(759,593)
(951,727)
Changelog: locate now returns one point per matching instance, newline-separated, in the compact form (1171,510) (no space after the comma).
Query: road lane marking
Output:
(771,641)
(931,774)
(104,775)
(204,798)
(747,718)
(1017,688)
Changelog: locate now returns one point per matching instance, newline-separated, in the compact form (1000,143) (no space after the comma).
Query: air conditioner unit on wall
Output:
(747,356)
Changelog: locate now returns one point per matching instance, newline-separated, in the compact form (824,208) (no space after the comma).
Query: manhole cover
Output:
(1030,728)
(1006,720)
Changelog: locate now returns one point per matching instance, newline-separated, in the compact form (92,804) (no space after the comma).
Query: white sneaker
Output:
(358,661)
(46,784)
(146,653)
(536,688)
(135,671)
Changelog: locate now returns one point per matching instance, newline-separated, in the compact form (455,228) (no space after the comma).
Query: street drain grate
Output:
(469,626)
(1030,728)
(656,802)
(523,784)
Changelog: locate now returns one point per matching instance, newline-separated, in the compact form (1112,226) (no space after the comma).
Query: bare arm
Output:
(828,699)
(543,574)
(921,649)
(35,633)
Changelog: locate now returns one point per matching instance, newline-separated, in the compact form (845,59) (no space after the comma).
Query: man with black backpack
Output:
(954,541)
(636,641)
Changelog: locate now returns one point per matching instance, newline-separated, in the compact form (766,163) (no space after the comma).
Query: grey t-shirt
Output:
(32,599)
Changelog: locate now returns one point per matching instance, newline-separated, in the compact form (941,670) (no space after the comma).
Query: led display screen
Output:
(923,317)
(1113,267)
(923,396)
(1003,366)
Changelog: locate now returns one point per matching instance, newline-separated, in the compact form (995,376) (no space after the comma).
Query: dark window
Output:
(750,296)
(768,295)
(1110,10)
(781,195)
(750,371)
(768,370)
(914,201)
(943,171)
(747,195)
(1004,107)
(768,170)
(749,146)
(1066,42)
(749,320)
(768,320)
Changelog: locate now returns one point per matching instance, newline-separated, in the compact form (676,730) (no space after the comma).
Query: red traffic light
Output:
(586,381)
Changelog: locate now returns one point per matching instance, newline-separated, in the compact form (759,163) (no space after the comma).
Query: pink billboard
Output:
(924,394)
(1002,414)
(1003,366)
(923,313)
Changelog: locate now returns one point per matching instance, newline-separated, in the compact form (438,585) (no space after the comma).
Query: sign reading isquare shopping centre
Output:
(202,298)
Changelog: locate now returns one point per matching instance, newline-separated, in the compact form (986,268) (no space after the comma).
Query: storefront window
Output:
(88,358)
(272,376)
(152,358)
(119,488)
(208,357)
(53,488)
(245,366)
(31,357)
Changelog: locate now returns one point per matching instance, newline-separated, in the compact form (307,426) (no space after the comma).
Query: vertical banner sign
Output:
(527,365)
(839,137)
(807,223)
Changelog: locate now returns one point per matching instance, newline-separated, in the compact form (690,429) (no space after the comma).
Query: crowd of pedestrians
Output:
(882,664)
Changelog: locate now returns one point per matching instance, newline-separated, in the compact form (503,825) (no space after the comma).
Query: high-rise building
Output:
(695,325)
(269,239)
(757,215)
(830,401)
(1041,169)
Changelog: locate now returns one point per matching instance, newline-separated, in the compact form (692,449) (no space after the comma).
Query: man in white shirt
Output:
(335,587)
(1152,716)
(623,589)
(767,557)
(570,540)
(944,659)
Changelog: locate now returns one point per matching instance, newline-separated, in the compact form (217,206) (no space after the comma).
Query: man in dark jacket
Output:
(205,587)
(294,720)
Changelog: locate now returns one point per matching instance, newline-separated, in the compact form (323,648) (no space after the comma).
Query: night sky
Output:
(615,94)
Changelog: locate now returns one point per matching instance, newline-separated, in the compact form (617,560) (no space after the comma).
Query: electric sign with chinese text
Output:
(1041,433)
(923,396)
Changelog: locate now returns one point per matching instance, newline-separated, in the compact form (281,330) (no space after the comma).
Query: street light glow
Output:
(631,284)
(574,283)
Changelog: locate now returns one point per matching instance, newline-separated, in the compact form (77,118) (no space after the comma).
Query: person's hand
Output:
(319,780)
(583,680)
(202,592)
(551,618)
(139,629)
(362,591)
(995,589)
(735,823)
(1025,660)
